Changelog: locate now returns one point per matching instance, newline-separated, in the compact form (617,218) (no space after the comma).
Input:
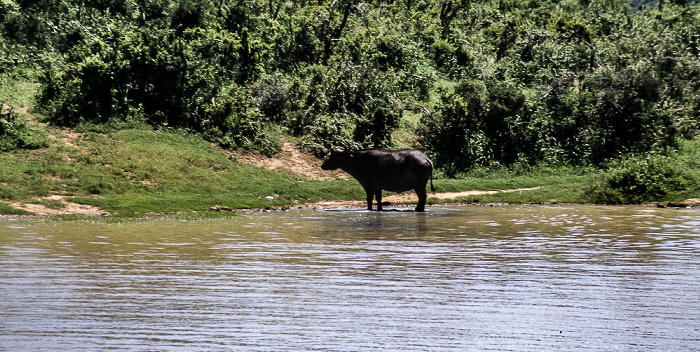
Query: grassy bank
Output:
(139,170)
(136,171)
(132,171)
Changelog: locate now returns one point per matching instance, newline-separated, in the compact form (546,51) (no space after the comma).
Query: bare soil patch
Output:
(411,197)
(291,158)
(67,207)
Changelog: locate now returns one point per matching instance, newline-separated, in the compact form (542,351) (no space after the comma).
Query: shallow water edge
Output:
(509,278)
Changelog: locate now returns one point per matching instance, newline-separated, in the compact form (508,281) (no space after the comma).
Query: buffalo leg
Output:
(370,196)
(379,200)
(422,198)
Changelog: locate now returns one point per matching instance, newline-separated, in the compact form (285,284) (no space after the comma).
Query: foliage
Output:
(574,88)
(497,82)
(16,133)
(345,105)
(140,170)
(637,180)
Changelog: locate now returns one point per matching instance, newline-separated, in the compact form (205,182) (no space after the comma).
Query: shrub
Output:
(183,80)
(329,131)
(479,124)
(639,180)
(452,133)
(343,104)
(17,133)
(233,124)
(374,128)
(622,108)
(271,94)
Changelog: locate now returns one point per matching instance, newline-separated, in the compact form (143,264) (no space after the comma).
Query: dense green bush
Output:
(637,180)
(498,82)
(16,133)
(170,80)
(185,81)
(343,104)
(577,88)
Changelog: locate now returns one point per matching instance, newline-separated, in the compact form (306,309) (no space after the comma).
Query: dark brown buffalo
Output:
(390,170)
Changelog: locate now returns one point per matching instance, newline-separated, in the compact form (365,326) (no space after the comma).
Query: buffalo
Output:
(389,170)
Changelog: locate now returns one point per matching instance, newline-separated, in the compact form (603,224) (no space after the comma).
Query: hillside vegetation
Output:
(603,89)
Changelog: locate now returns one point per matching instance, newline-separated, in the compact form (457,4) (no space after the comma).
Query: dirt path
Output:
(291,158)
(63,207)
(411,197)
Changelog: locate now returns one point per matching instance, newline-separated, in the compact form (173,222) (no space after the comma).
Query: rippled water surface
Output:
(520,278)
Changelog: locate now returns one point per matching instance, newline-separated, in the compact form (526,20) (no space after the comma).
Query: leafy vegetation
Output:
(492,85)
(16,133)
(638,180)
(138,170)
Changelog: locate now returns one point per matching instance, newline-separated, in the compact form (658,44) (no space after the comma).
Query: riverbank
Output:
(130,172)
(67,208)
(142,172)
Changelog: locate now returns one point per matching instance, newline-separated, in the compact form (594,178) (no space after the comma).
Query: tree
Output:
(334,20)
(450,10)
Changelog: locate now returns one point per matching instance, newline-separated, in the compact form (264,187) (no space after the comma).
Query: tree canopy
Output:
(491,82)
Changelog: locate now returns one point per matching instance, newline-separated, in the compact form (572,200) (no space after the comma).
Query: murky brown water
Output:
(520,278)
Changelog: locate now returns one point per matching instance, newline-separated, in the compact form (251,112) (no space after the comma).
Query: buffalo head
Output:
(337,159)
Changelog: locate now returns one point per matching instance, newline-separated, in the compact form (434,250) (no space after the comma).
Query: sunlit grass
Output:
(137,171)
(144,170)
(140,170)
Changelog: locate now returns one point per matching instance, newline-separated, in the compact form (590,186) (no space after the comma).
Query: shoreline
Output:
(404,200)
(68,208)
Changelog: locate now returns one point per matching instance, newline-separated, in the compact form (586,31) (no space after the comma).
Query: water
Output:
(516,278)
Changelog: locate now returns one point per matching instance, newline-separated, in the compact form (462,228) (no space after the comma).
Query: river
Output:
(511,278)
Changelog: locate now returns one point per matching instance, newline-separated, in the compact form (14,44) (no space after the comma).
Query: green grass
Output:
(17,94)
(138,170)
(564,185)
(8,210)
(142,170)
